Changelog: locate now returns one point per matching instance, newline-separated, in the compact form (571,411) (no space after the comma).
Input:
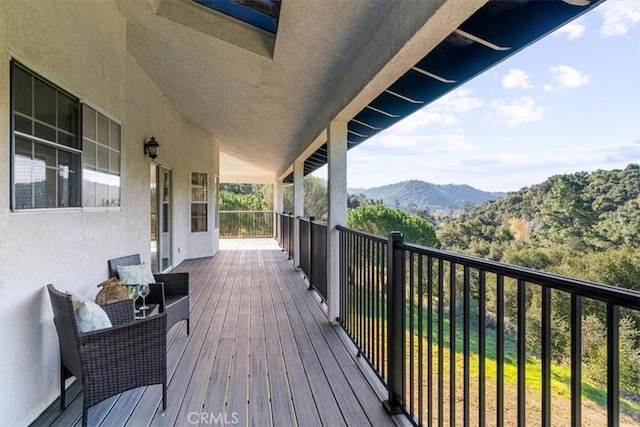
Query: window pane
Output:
(103,130)
(68,179)
(102,189)
(103,159)
(88,122)
(46,154)
(114,135)
(67,139)
(89,153)
(89,187)
(67,114)
(44,187)
(23,166)
(199,187)
(44,102)
(44,131)
(114,163)
(22,91)
(198,217)
(44,174)
(23,124)
(114,190)
(24,147)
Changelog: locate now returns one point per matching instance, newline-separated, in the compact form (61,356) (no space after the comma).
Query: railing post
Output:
(395,323)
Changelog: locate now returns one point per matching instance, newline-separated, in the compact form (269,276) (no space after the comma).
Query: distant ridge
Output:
(414,194)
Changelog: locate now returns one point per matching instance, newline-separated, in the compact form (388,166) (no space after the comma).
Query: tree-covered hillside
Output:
(583,225)
(581,212)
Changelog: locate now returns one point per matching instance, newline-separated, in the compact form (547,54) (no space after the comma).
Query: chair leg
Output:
(62,388)
(187,326)
(84,417)
(164,397)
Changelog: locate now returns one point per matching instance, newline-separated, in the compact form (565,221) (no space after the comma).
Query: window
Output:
(199,197)
(46,146)
(100,160)
(48,152)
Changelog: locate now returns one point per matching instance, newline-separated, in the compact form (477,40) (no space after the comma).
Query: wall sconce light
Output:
(151,148)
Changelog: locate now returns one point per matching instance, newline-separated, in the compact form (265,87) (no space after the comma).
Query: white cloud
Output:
(458,101)
(548,88)
(573,30)
(619,17)
(415,145)
(445,111)
(516,79)
(423,118)
(524,169)
(569,77)
(514,113)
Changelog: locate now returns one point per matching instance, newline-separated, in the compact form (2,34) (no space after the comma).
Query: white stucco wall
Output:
(81,46)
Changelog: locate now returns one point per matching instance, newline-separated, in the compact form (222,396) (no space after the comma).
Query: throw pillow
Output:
(135,274)
(89,315)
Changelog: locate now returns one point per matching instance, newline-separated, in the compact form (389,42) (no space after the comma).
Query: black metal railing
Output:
(433,324)
(286,227)
(313,253)
(305,246)
(246,224)
(363,295)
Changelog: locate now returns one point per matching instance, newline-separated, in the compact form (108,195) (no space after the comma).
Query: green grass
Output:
(560,374)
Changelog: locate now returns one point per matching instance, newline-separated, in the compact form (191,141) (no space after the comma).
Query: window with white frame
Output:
(199,201)
(100,159)
(59,161)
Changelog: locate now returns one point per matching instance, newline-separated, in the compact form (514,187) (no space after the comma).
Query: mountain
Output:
(416,195)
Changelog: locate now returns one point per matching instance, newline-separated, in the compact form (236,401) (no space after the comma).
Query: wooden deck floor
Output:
(260,353)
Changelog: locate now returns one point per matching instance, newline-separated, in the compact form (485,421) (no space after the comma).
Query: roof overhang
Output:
(267,99)
(493,33)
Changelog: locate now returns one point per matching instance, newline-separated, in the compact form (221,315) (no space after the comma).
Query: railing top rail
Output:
(362,234)
(607,293)
(313,221)
(246,212)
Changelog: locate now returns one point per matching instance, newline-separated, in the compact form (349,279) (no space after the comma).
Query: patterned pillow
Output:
(89,315)
(135,274)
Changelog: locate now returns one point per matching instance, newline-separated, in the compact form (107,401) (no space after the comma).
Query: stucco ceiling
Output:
(267,99)
(266,102)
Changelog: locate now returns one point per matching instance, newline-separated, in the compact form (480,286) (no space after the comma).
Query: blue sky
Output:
(570,102)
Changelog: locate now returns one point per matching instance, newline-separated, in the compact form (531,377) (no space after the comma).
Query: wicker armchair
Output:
(173,296)
(130,354)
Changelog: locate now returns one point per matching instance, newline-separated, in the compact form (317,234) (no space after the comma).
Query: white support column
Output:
(298,207)
(278,204)
(337,153)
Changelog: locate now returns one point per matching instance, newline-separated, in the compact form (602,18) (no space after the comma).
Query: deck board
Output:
(259,407)
(261,353)
(281,400)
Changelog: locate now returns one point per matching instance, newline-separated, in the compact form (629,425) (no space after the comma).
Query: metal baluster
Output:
(576,360)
